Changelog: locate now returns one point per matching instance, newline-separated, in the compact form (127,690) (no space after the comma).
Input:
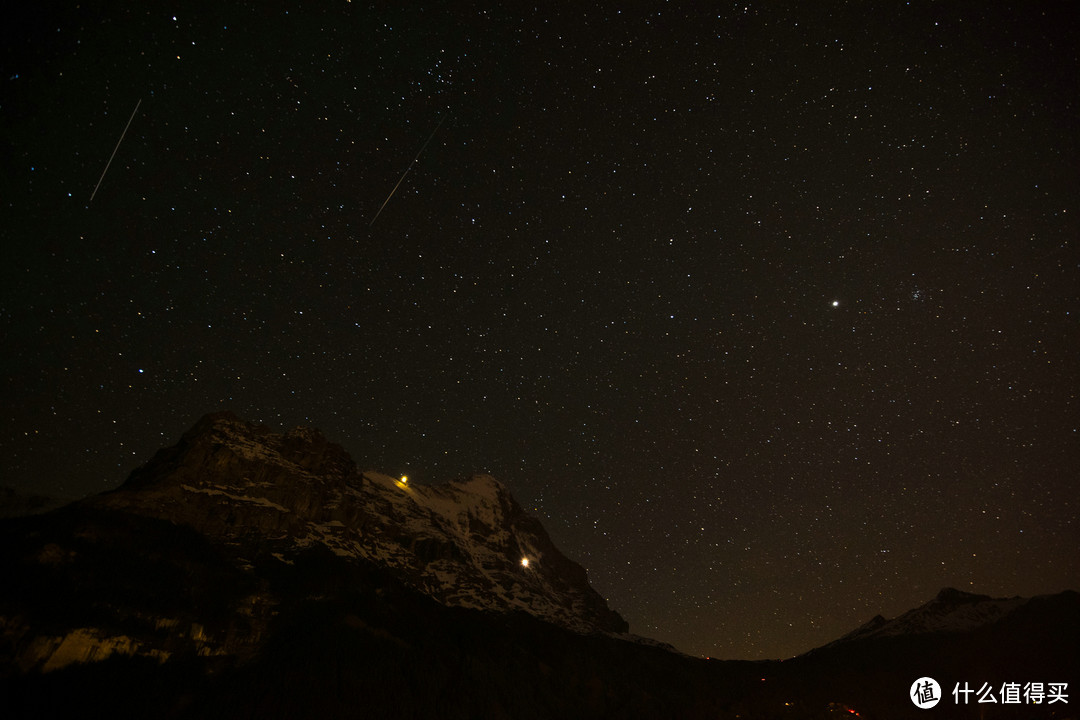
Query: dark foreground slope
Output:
(323,637)
(963,641)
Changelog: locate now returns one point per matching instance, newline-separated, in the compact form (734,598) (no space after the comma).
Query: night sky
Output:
(767,311)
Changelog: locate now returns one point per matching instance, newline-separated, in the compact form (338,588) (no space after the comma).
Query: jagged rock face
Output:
(462,543)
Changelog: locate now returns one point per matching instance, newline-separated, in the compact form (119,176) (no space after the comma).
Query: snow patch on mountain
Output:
(951,611)
(241,498)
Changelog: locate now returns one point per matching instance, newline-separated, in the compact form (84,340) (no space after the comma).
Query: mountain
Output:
(248,573)
(951,611)
(465,544)
(955,638)
(244,572)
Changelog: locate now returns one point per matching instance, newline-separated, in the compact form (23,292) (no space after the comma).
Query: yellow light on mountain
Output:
(525,562)
(404,479)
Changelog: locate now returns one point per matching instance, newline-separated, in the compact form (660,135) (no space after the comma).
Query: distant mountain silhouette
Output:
(16,504)
(951,611)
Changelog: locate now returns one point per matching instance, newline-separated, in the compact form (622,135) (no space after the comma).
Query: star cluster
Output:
(768,312)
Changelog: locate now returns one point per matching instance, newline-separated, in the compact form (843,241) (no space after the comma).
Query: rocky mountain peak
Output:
(955,597)
(466,543)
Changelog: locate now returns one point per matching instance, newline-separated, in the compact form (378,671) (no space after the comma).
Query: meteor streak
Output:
(406,171)
(114,150)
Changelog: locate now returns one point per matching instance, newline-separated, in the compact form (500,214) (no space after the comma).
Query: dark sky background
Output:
(767,310)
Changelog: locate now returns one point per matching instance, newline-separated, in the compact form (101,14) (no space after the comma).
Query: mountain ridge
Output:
(950,611)
(466,542)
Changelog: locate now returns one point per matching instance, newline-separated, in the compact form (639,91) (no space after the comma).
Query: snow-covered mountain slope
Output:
(466,543)
(951,611)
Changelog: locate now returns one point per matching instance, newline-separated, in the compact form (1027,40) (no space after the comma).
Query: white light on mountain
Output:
(404,479)
(525,562)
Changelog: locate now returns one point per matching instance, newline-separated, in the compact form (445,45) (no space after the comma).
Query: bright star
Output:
(836,303)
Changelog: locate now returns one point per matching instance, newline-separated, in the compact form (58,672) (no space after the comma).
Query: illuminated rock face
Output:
(82,645)
(463,543)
